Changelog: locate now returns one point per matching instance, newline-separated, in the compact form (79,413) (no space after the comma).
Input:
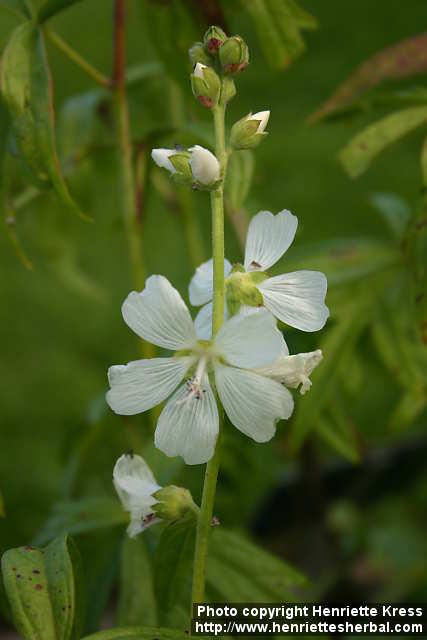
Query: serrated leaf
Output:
(81,516)
(240,571)
(137,602)
(406,58)
(138,633)
(27,91)
(173,571)
(279,24)
(366,145)
(40,588)
(50,8)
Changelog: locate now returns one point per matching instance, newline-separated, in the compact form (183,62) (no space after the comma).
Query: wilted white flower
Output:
(204,165)
(296,298)
(293,371)
(188,425)
(135,485)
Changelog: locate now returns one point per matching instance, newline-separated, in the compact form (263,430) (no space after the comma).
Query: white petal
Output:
(188,425)
(198,70)
(263,117)
(203,321)
(159,314)
(204,165)
(269,236)
(249,341)
(295,370)
(134,483)
(161,158)
(141,384)
(201,285)
(297,298)
(253,403)
(140,521)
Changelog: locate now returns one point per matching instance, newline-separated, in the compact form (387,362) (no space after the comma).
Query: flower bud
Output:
(206,85)
(198,53)
(234,55)
(204,167)
(248,132)
(176,162)
(173,503)
(213,39)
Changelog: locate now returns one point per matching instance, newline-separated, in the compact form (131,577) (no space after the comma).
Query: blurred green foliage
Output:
(61,324)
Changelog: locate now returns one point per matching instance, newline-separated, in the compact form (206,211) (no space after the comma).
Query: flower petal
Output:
(295,370)
(141,384)
(201,285)
(253,403)
(134,483)
(159,314)
(204,165)
(203,321)
(248,340)
(188,425)
(297,298)
(161,158)
(269,236)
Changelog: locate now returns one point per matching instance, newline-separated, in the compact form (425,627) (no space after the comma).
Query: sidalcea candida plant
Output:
(232,359)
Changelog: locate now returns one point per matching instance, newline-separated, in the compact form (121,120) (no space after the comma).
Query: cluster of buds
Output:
(215,61)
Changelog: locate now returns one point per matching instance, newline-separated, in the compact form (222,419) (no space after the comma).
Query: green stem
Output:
(72,54)
(212,468)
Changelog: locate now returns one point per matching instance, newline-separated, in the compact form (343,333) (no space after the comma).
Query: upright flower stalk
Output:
(212,468)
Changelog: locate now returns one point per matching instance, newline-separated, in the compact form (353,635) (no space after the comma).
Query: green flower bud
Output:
(198,53)
(213,39)
(248,132)
(173,503)
(234,55)
(206,85)
(240,288)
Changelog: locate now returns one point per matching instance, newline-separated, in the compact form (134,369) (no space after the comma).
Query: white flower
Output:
(135,485)
(296,298)
(262,117)
(161,158)
(188,425)
(204,165)
(293,371)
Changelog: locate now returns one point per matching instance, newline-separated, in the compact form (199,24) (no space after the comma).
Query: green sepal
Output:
(240,288)
(173,503)
(214,39)
(234,55)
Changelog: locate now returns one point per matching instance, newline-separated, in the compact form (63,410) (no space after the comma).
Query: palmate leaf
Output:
(27,91)
(279,24)
(41,586)
(138,633)
(406,58)
(137,602)
(358,154)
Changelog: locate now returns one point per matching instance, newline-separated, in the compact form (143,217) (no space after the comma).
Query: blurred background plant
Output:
(340,492)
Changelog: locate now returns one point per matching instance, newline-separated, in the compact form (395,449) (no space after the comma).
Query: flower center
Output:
(195,388)
(241,288)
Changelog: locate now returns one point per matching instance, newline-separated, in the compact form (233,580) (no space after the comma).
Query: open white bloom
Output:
(262,117)
(293,371)
(296,298)
(135,485)
(204,165)
(188,425)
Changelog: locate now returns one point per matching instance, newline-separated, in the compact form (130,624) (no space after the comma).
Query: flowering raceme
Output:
(296,298)
(189,423)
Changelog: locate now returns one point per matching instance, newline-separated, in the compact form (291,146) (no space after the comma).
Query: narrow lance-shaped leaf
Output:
(49,8)
(27,90)
(406,58)
(40,587)
(366,145)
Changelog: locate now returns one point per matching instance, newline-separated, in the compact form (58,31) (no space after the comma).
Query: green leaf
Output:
(406,58)
(366,145)
(173,571)
(336,434)
(279,24)
(240,571)
(409,407)
(40,588)
(137,602)
(138,633)
(49,8)
(81,516)
(23,8)
(2,507)
(394,210)
(27,91)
